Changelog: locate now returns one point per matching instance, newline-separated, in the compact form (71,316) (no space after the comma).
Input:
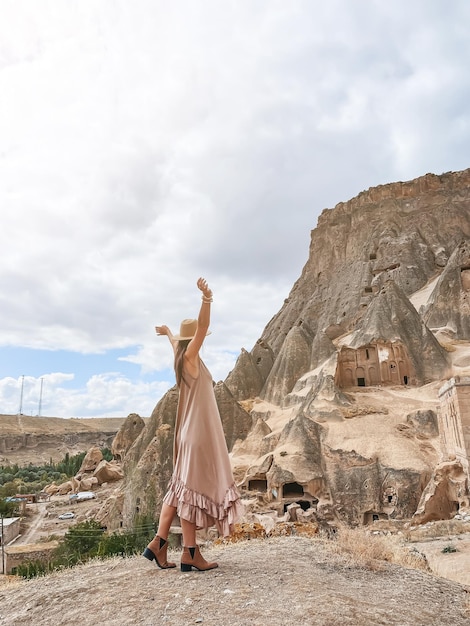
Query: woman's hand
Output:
(162,330)
(204,287)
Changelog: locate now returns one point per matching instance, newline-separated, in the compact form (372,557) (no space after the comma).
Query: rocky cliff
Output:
(322,411)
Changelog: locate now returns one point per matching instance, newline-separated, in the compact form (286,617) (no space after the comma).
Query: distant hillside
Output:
(25,439)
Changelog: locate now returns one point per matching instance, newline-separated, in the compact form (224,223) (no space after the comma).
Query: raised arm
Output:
(164,330)
(203,321)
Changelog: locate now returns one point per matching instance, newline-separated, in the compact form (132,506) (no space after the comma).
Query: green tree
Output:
(9,489)
(7,509)
(107,454)
(83,538)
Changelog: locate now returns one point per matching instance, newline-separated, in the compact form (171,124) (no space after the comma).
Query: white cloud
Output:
(26,393)
(104,395)
(144,144)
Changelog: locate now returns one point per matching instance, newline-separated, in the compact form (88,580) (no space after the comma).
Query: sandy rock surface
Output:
(278,581)
(448,557)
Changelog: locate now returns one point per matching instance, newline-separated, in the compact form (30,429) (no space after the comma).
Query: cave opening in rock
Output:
(257,485)
(370,517)
(304,505)
(291,490)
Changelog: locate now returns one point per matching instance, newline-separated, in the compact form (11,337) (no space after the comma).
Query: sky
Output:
(144,144)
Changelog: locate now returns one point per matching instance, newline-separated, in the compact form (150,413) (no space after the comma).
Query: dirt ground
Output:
(275,581)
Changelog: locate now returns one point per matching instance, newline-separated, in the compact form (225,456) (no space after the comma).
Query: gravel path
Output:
(272,582)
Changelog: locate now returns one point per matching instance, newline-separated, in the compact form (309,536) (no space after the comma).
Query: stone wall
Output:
(11,529)
(15,555)
(454,420)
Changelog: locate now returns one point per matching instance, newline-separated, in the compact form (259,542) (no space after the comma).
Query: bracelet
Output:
(206,300)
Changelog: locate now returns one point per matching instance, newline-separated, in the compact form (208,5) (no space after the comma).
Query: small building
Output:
(20,502)
(11,529)
(29,498)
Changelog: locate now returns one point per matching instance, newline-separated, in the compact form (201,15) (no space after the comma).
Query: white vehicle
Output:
(67,515)
(82,495)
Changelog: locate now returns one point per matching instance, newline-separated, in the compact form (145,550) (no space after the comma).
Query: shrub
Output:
(449,549)
(31,569)
(107,454)
(83,539)
(367,550)
(128,542)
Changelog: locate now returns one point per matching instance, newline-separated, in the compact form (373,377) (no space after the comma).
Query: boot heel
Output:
(185,567)
(148,554)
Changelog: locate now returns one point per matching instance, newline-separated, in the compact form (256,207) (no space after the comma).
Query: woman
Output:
(202,491)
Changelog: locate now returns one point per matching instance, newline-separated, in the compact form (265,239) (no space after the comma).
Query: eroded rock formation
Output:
(449,304)
(445,494)
(334,408)
(106,472)
(126,435)
(90,461)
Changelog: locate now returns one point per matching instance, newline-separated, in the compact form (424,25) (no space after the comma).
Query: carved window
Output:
(258,485)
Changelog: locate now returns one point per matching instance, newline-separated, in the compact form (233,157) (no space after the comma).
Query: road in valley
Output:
(32,533)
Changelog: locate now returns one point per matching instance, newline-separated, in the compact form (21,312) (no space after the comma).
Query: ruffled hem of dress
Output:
(203,511)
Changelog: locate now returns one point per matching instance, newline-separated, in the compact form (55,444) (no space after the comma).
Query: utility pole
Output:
(40,398)
(21,396)
(3,546)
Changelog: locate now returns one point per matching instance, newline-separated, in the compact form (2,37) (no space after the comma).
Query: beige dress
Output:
(202,486)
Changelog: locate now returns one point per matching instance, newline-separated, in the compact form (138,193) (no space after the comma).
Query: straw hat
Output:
(187,330)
